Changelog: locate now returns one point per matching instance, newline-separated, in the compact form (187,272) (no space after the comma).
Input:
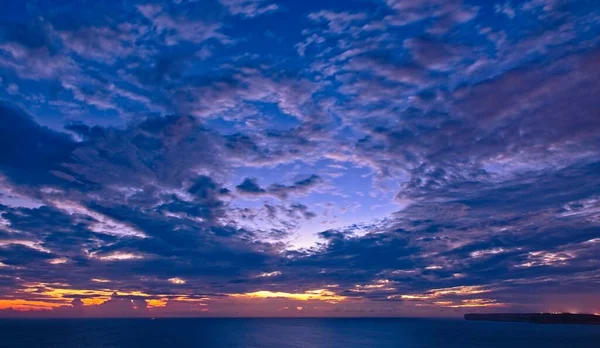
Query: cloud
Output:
(337,22)
(250,8)
(103,43)
(406,74)
(35,63)
(163,150)
(446,13)
(178,28)
(32,153)
(250,187)
(435,55)
(16,255)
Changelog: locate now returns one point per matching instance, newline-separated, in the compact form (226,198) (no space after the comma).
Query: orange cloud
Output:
(28,305)
(45,296)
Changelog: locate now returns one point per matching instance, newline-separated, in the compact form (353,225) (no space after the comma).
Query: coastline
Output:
(537,318)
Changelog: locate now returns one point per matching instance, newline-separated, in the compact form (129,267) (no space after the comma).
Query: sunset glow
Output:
(316,295)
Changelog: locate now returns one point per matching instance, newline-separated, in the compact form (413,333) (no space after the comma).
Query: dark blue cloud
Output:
(17,255)
(31,153)
(250,187)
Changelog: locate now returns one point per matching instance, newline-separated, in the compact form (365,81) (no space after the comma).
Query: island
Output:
(537,318)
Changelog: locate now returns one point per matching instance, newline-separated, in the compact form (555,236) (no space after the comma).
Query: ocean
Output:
(279,333)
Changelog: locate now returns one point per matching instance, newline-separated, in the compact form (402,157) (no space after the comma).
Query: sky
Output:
(299,158)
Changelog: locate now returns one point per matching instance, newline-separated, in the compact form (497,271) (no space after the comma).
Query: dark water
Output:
(347,333)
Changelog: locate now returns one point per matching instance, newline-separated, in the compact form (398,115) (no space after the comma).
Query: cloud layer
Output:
(194,158)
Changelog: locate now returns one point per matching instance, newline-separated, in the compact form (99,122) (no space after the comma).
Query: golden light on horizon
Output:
(94,301)
(156,303)
(472,303)
(378,285)
(423,299)
(316,295)
(460,290)
(28,305)
(437,293)
(52,295)
(412,297)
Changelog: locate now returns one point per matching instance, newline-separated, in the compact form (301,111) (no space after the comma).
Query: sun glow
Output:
(312,295)
(27,305)
(436,293)
(439,294)
(53,295)
(471,303)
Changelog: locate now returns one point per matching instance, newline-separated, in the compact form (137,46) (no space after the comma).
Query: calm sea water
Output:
(276,333)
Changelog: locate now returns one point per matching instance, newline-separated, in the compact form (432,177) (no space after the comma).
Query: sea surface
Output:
(278,333)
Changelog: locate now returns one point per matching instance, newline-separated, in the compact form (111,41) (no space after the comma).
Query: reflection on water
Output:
(268,333)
